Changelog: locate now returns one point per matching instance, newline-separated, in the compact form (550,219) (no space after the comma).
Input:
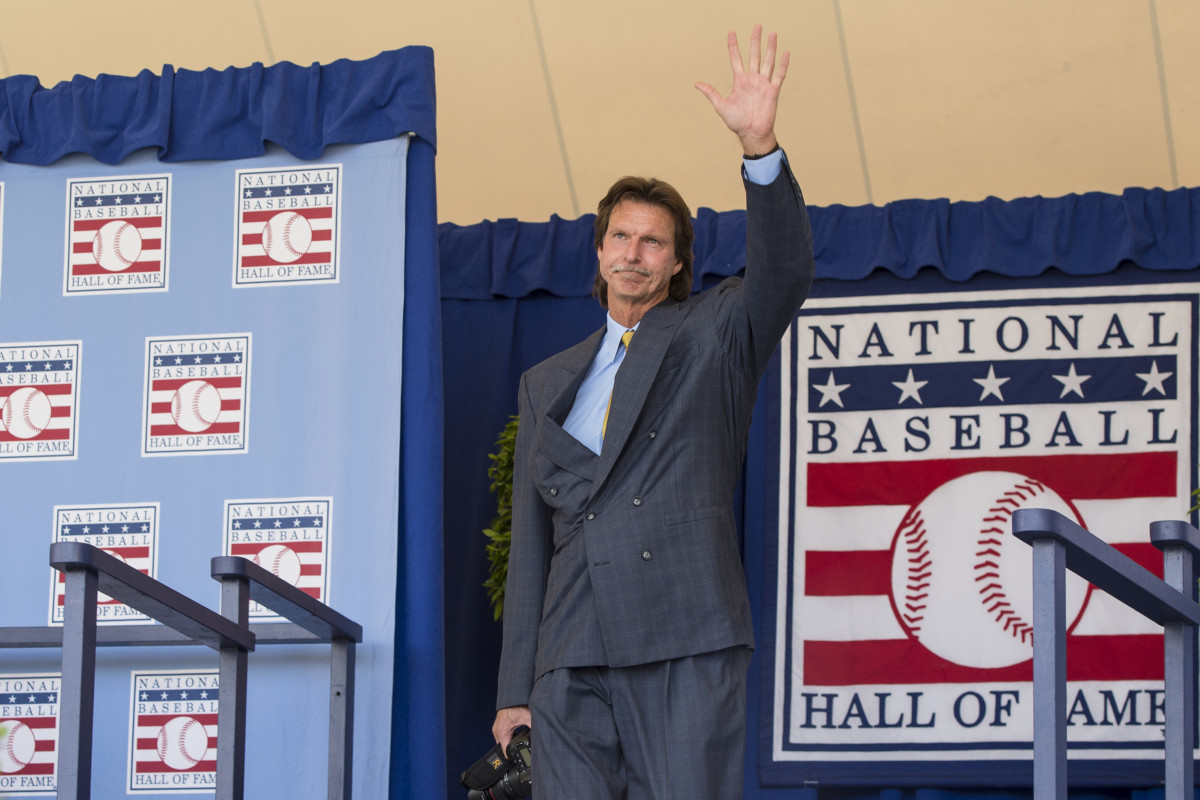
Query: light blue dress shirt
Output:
(586,419)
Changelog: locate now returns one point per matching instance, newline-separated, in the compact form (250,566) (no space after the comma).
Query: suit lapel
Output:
(551,440)
(634,379)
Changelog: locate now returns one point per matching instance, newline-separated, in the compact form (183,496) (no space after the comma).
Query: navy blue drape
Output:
(514,293)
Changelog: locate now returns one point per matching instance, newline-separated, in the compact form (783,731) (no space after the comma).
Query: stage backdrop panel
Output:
(202,341)
(1051,344)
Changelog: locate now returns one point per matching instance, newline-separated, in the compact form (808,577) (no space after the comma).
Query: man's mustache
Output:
(618,268)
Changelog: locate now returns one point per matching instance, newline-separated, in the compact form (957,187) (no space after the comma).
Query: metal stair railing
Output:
(89,570)
(1060,544)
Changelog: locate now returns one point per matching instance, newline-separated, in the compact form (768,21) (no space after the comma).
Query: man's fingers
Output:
(755,48)
(781,71)
(735,53)
(712,94)
(768,60)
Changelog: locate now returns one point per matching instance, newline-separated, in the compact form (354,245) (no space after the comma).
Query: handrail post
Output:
(231,711)
(1177,542)
(77,692)
(341,718)
(1049,670)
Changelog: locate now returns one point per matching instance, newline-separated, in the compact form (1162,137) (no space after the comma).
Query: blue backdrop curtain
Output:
(213,115)
(514,293)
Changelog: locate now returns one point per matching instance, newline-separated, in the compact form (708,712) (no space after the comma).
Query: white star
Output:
(78,201)
(295,523)
(158,361)
(308,190)
(118,200)
(237,523)
(288,190)
(178,360)
(204,695)
(831,391)
(164,695)
(910,388)
(278,523)
(1154,379)
(216,359)
(144,695)
(104,529)
(183,695)
(137,198)
(267,193)
(1071,382)
(258,523)
(124,529)
(991,384)
(248,193)
(198,359)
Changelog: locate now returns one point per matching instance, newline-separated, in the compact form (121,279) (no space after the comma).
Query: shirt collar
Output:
(612,337)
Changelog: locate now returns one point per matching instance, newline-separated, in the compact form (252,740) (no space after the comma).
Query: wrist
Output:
(757,147)
(758,156)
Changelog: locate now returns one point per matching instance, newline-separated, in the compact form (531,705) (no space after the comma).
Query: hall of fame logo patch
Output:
(912,427)
(197,395)
(173,731)
(39,400)
(126,531)
(29,735)
(117,234)
(288,225)
(289,538)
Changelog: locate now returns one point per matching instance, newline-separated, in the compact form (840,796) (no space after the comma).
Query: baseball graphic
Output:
(182,743)
(281,561)
(117,245)
(195,406)
(962,584)
(286,237)
(17,746)
(26,412)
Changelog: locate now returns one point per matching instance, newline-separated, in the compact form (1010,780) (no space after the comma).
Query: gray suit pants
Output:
(670,729)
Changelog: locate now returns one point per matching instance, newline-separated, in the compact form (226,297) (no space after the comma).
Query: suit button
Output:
(637,501)
(590,516)
(647,555)
(652,434)
(554,491)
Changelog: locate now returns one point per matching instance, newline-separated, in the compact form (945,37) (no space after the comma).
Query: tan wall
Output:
(542,103)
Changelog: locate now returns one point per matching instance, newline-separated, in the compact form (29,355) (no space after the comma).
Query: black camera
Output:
(502,776)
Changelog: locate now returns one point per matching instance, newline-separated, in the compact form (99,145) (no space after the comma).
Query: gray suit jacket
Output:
(631,556)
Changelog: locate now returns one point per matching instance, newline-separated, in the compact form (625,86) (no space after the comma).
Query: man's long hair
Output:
(656,193)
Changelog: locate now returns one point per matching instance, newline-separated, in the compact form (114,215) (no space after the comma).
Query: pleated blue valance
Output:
(1085,234)
(220,114)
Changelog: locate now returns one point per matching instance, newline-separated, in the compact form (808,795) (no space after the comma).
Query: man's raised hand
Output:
(749,110)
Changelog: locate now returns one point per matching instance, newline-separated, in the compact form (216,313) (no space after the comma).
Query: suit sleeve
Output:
(528,564)
(779,262)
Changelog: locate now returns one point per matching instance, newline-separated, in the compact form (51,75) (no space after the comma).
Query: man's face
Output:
(637,255)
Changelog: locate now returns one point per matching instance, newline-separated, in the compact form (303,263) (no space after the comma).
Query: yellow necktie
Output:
(626,337)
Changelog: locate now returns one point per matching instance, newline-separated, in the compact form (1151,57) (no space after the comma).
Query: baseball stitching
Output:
(22,414)
(10,740)
(181,744)
(987,558)
(118,234)
(920,568)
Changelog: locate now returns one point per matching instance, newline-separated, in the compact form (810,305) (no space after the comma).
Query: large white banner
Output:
(911,427)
